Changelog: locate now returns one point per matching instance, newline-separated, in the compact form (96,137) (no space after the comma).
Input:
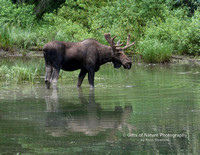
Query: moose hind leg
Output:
(54,77)
(81,77)
(48,76)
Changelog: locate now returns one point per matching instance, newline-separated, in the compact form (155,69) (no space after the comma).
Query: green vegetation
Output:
(160,28)
(26,70)
(15,71)
(182,33)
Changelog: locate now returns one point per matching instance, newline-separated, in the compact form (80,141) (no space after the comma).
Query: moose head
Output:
(119,58)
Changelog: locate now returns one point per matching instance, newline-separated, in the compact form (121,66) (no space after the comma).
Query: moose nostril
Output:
(128,65)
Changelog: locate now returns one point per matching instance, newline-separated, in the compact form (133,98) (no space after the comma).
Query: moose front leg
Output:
(91,74)
(81,76)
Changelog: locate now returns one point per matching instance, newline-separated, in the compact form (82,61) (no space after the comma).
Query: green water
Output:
(150,109)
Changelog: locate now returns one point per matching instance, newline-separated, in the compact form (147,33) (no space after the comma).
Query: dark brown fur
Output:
(87,55)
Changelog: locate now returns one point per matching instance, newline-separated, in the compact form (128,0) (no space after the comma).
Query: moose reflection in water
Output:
(89,119)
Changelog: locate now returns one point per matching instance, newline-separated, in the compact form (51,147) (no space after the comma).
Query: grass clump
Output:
(21,71)
(17,74)
(154,51)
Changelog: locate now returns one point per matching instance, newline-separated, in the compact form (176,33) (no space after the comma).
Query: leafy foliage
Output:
(152,23)
(62,29)
(42,6)
(191,5)
(180,31)
(21,16)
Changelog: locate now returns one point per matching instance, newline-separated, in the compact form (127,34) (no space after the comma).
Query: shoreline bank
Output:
(182,59)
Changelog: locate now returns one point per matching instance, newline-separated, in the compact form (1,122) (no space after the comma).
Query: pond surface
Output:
(150,109)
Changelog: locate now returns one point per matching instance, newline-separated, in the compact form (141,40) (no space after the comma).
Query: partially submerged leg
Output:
(54,77)
(91,77)
(48,75)
(81,77)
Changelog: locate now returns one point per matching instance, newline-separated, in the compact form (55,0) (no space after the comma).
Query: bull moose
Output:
(87,55)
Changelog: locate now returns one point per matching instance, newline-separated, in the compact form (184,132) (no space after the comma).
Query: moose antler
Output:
(109,40)
(127,44)
(118,46)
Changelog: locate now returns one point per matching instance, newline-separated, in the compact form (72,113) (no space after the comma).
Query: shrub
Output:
(171,30)
(16,22)
(65,30)
(16,15)
(194,34)
(178,30)
(5,37)
(123,17)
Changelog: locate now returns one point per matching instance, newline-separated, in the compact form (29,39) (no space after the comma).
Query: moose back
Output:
(87,55)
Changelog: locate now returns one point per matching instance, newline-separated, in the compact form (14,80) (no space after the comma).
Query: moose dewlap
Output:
(87,55)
